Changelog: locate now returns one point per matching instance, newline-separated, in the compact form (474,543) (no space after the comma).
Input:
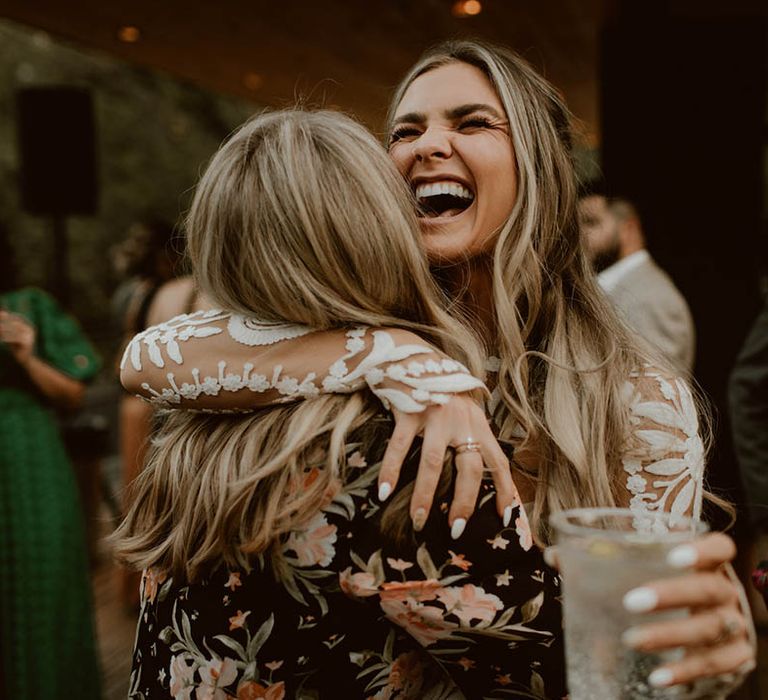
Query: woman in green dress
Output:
(47,647)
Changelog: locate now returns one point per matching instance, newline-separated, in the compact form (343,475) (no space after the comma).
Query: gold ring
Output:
(728,629)
(469,446)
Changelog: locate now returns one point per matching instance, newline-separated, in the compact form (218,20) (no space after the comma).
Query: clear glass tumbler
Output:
(603,554)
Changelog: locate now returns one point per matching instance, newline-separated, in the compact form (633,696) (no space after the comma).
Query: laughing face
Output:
(450,140)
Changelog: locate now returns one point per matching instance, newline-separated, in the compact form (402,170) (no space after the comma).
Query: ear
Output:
(631,232)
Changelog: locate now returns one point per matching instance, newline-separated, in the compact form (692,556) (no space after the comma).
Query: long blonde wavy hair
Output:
(302,218)
(565,357)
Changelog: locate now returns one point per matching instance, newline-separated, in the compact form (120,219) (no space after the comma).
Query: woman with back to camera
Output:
(484,142)
(271,568)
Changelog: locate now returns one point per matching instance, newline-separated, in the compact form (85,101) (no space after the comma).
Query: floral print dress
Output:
(348,613)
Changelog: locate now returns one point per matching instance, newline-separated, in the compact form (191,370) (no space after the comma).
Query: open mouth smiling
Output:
(442,198)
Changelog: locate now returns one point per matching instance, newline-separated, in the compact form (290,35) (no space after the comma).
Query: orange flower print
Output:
(459,560)
(523,530)
(466,663)
(233,581)
(406,673)
(469,603)
(504,679)
(216,675)
(360,585)
(182,678)
(424,623)
(419,591)
(151,582)
(238,621)
(250,690)
(313,545)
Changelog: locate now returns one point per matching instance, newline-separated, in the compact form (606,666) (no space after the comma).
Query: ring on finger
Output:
(729,627)
(469,445)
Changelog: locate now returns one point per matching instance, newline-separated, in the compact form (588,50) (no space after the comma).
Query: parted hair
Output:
(565,357)
(300,217)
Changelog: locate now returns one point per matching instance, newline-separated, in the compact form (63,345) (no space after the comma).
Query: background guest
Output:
(748,400)
(645,296)
(147,259)
(46,626)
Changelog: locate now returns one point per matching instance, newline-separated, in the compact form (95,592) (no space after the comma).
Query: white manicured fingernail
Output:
(384,490)
(419,519)
(550,557)
(507,517)
(683,556)
(457,528)
(640,600)
(661,678)
(633,637)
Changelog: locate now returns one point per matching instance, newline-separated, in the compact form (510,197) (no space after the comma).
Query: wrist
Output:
(24,361)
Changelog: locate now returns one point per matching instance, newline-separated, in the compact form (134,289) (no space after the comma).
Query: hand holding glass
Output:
(604,553)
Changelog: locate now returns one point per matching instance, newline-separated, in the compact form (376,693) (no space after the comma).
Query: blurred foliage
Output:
(154,135)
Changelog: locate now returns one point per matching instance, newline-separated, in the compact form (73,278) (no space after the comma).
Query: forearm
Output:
(663,460)
(61,390)
(219,361)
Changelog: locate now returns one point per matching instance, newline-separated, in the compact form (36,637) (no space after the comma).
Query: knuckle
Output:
(714,629)
(745,652)
(399,442)
(713,587)
(432,458)
(726,543)
(695,666)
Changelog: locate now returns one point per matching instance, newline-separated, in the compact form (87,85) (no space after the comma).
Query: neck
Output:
(471,284)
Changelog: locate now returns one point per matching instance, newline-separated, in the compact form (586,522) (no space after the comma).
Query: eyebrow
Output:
(453,113)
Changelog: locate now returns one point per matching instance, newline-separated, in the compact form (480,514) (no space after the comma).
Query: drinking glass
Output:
(603,554)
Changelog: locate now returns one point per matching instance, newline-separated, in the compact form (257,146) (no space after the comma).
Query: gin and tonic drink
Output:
(604,553)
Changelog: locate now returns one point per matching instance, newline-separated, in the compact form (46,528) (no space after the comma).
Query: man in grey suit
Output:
(642,292)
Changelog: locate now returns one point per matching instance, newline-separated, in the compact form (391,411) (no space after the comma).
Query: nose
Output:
(433,143)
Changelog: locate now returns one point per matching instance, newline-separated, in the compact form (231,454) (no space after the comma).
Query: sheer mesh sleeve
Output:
(664,458)
(181,364)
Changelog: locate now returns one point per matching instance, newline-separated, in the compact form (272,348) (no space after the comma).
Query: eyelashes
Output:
(468,124)
(403,132)
(476,123)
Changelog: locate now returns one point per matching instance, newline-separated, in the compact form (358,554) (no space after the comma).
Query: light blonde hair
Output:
(300,217)
(565,357)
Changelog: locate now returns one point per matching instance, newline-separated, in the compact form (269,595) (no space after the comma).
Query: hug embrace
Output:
(408,368)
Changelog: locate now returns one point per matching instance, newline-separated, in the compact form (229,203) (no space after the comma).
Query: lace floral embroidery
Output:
(409,388)
(665,459)
(169,334)
(251,331)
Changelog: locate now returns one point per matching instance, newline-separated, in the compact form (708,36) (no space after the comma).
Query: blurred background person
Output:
(748,402)
(146,260)
(149,259)
(645,296)
(48,648)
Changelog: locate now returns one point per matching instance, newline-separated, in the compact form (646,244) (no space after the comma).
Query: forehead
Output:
(445,87)
(594,205)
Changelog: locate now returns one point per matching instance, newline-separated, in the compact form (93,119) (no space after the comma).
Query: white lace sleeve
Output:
(230,362)
(664,458)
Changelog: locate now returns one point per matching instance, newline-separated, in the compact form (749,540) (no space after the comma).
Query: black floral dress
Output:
(353,614)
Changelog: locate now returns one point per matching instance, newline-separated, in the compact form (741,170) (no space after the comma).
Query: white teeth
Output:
(432,189)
